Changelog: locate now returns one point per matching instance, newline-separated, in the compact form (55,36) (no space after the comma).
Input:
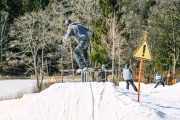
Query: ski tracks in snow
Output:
(76,99)
(92,94)
(97,92)
(101,101)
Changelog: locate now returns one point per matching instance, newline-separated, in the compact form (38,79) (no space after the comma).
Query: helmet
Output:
(67,22)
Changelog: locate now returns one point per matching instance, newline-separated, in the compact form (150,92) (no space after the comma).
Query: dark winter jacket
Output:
(77,31)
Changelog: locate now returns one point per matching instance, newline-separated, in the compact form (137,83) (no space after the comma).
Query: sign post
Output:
(139,78)
(143,53)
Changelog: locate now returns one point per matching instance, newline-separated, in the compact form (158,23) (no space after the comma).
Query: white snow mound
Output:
(80,101)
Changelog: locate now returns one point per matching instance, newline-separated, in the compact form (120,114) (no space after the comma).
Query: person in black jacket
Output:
(103,74)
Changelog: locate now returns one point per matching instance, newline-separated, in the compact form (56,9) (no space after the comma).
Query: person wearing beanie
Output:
(81,35)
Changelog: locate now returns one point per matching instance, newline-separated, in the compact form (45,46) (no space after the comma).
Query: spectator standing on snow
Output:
(82,36)
(158,79)
(103,74)
(127,76)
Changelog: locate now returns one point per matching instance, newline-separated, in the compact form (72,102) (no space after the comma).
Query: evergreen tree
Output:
(165,21)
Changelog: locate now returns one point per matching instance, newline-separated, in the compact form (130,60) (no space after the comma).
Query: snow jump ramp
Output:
(80,101)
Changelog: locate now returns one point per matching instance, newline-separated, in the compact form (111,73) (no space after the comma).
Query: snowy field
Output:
(93,101)
(9,88)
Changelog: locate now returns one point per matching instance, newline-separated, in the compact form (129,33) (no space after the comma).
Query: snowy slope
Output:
(164,100)
(80,101)
(95,101)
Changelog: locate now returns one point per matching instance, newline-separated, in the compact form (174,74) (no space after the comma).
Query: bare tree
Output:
(34,33)
(118,46)
(3,26)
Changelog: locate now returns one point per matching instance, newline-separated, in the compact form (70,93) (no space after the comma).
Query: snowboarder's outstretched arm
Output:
(68,35)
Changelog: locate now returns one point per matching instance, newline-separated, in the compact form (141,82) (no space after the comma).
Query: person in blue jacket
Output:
(82,36)
(158,79)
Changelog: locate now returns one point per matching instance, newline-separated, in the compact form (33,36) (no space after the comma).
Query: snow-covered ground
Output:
(10,88)
(95,101)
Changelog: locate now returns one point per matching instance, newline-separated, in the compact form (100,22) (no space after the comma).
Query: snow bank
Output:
(165,101)
(80,101)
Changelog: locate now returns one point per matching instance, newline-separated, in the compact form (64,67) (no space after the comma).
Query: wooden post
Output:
(62,76)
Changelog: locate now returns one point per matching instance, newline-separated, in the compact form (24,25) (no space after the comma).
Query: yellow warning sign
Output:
(143,51)
(53,79)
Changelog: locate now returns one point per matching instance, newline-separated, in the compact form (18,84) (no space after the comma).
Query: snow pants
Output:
(81,54)
(158,83)
(132,83)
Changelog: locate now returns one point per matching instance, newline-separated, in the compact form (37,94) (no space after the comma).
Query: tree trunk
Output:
(36,73)
(174,68)
(2,36)
(72,65)
(113,48)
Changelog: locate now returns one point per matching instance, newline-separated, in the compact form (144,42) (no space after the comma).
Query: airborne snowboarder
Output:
(82,36)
